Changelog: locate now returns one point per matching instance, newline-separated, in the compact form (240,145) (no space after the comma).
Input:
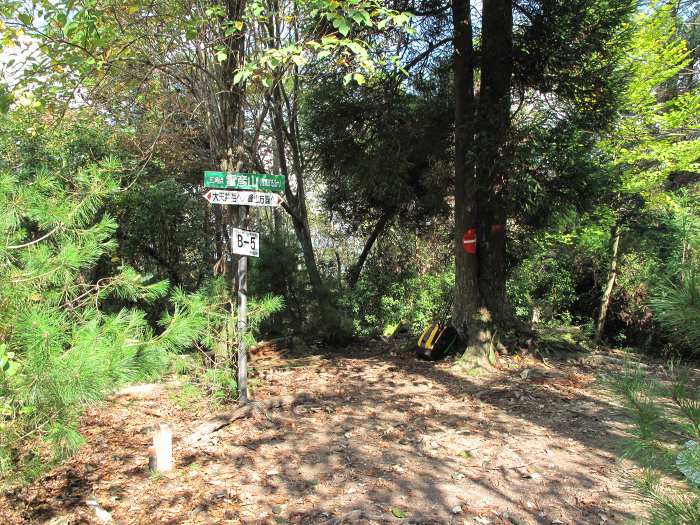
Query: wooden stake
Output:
(163,445)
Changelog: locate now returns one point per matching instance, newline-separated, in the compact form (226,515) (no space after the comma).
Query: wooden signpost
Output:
(258,189)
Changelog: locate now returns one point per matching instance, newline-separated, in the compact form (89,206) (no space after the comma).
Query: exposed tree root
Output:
(273,344)
(354,517)
(364,516)
(226,418)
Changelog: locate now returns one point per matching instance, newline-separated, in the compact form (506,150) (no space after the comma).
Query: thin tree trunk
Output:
(276,211)
(340,270)
(610,285)
(354,273)
(296,207)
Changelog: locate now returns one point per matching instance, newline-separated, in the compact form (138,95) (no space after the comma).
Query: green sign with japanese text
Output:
(244,181)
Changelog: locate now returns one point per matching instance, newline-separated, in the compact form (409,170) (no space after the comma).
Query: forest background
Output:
(397,125)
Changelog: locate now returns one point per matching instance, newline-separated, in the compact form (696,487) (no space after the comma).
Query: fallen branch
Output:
(220,421)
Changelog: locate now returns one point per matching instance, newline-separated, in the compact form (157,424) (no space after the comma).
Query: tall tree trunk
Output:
(610,285)
(480,305)
(493,160)
(226,137)
(467,297)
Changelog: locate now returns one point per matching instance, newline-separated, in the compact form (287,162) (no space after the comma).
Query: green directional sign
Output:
(244,181)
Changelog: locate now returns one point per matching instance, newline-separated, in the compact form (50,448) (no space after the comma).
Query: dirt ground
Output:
(383,438)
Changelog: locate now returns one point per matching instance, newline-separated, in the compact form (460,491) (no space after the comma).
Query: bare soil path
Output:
(383,438)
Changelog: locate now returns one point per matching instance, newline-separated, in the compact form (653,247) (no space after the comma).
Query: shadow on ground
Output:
(386,438)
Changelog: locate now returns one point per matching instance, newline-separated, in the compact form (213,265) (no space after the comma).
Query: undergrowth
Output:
(664,440)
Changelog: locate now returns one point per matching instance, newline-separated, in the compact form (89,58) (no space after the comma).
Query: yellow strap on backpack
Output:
(422,336)
(430,335)
(435,336)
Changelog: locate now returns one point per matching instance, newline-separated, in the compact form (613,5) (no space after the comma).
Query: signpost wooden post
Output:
(242,308)
(258,190)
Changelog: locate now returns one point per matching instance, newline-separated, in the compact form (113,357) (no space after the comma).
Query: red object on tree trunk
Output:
(469,241)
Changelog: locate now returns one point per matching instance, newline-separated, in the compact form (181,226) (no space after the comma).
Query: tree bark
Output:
(296,207)
(480,307)
(467,297)
(610,285)
(354,273)
(493,159)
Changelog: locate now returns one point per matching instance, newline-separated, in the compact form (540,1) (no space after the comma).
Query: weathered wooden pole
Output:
(242,315)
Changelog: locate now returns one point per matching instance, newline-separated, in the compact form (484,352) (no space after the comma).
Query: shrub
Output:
(665,440)
(676,309)
(67,338)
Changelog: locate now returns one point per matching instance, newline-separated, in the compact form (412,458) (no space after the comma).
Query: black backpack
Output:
(437,340)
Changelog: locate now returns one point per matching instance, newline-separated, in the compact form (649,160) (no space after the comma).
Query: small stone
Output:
(457,476)
(277,509)
(457,509)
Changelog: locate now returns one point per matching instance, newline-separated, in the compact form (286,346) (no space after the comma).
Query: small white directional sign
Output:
(243,198)
(245,242)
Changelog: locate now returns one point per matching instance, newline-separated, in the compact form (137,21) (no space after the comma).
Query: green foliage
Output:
(385,297)
(677,309)
(162,230)
(280,271)
(545,280)
(640,180)
(382,150)
(60,348)
(664,440)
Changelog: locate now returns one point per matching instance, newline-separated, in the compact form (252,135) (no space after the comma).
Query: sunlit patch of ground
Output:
(386,436)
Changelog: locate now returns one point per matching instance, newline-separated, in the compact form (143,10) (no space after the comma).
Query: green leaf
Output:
(688,462)
(342,25)
(191,32)
(240,76)
(25,18)
(359,78)
(356,48)
(399,513)
(299,60)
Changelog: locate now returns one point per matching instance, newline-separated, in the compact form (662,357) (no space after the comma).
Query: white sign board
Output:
(243,198)
(245,242)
